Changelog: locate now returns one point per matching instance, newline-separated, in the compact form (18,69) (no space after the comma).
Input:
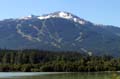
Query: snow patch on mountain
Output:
(63,15)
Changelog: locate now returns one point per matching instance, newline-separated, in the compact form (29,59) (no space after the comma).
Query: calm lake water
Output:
(56,75)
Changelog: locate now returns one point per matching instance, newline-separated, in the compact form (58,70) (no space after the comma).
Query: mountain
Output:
(59,31)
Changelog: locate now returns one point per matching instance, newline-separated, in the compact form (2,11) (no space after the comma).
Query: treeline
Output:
(46,61)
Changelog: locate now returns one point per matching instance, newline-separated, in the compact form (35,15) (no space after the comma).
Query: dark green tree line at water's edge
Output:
(46,61)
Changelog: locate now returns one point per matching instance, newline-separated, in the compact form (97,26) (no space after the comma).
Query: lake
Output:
(58,75)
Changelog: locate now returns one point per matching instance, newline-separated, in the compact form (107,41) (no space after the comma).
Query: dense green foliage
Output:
(34,60)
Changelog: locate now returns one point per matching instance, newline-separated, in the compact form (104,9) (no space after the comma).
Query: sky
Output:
(97,11)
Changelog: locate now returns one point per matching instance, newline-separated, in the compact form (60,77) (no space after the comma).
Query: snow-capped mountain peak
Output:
(59,31)
(64,15)
(59,14)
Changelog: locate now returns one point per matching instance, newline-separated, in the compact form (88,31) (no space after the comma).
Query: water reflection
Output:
(50,75)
